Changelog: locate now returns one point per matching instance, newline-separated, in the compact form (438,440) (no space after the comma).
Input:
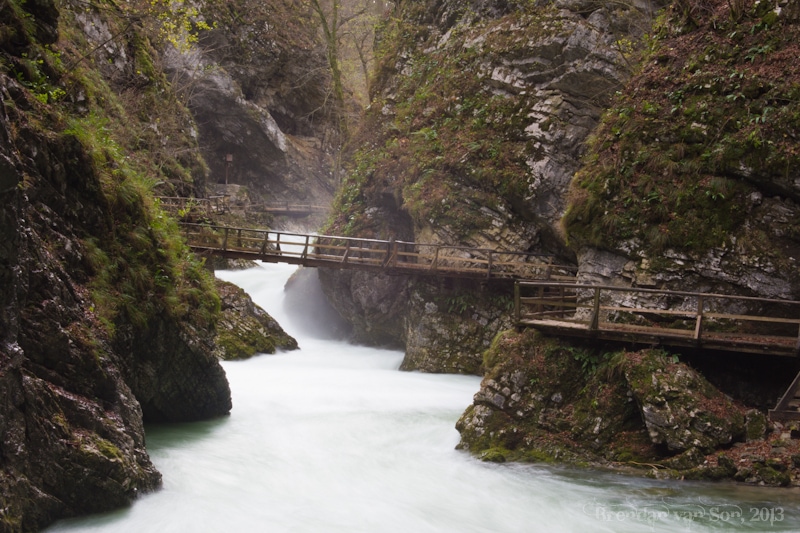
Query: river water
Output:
(333,438)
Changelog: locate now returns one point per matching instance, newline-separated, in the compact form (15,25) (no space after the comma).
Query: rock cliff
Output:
(477,123)
(106,319)
(690,180)
(257,86)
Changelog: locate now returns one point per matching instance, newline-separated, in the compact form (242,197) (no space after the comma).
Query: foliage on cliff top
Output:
(439,137)
(126,134)
(712,116)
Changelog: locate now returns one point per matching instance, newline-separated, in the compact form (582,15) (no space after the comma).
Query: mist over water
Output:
(332,438)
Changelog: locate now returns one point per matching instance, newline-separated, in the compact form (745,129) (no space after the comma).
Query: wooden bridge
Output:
(669,318)
(554,303)
(218,205)
(391,257)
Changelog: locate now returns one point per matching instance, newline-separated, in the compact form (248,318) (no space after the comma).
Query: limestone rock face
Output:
(484,161)
(245,329)
(721,214)
(373,304)
(451,336)
(71,433)
(256,85)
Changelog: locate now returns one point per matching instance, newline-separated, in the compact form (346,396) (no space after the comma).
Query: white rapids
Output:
(332,438)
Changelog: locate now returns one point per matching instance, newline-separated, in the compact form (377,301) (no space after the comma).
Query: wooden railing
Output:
(183,206)
(216,205)
(371,254)
(285,208)
(690,319)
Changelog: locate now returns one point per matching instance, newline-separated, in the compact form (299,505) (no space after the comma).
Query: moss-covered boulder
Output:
(547,400)
(680,408)
(245,329)
(524,408)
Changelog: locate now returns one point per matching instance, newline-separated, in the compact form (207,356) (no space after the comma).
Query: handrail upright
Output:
(435,262)
(698,328)
(264,244)
(594,323)
(797,344)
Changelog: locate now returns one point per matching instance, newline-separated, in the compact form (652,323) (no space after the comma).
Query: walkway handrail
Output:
(694,320)
(220,204)
(355,252)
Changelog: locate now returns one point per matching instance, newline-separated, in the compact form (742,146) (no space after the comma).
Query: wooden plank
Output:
(643,311)
(754,318)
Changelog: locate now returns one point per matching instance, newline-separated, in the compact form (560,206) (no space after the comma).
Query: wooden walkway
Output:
(650,316)
(391,257)
(218,205)
(554,303)
(669,318)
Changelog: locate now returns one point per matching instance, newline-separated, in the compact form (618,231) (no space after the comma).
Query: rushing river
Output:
(332,438)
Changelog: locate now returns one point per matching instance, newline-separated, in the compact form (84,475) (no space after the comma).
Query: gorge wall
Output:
(478,121)
(691,180)
(668,162)
(107,321)
(257,84)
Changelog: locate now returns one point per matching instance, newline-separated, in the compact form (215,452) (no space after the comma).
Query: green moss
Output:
(241,344)
(109,450)
(710,118)
(539,456)
(493,455)
(452,145)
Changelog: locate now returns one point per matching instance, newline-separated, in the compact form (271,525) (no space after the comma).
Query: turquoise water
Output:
(332,438)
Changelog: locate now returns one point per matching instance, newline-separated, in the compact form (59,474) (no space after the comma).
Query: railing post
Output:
(388,256)
(540,304)
(595,321)
(278,243)
(435,263)
(264,244)
(305,249)
(698,327)
(797,344)
(489,270)
(346,253)
(517,311)
(225,241)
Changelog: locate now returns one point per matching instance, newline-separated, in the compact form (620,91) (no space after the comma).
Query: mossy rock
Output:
(245,329)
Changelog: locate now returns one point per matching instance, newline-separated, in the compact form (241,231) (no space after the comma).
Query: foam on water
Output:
(332,438)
